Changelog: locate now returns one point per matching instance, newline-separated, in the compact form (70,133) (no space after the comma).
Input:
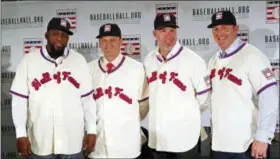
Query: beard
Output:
(55,52)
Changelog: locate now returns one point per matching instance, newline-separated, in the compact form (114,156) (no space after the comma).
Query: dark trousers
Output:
(53,156)
(147,153)
(191,154)
(145,150)
(244,155)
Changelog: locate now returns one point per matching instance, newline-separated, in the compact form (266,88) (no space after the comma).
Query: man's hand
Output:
(89,143)
(24,147)
(259,149)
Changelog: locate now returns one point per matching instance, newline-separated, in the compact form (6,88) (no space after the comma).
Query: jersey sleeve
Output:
(143,86)
(86,88)
(201,78)
(20,82)
(143,95)
(260,73)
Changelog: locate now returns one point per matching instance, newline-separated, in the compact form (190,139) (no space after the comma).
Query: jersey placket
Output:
(103,109)
(57,112)
(160,83)
(54,90)
(163,83)
(106,113)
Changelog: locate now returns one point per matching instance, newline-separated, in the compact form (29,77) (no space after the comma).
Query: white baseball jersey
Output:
(275,69)
(236,79)
(177,89)
(117,95)
(58,94)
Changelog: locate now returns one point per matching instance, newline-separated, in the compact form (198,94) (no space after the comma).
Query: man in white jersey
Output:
(242,128)
(52,96)
(178,87)
(118,83)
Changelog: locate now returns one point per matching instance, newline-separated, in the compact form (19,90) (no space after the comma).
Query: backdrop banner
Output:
(24,25)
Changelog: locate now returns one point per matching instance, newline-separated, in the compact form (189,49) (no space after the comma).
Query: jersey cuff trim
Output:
(87,94)
(204,91)
(18,94)
(144,99)
(266,86)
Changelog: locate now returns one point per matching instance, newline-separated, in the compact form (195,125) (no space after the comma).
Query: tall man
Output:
(178,87)
(118,83)
(242,127)
(52,96)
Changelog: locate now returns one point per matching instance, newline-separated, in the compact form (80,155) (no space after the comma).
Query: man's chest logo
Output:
(112,92)
(59,77)
(225,73)
(166,77)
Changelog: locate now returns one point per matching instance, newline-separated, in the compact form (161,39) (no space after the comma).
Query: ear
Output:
(99,45)
(46,35)
(154,33)
(236,28)
(121,40)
